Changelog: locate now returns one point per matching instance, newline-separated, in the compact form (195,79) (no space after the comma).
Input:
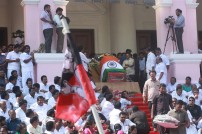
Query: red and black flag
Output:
(72,106)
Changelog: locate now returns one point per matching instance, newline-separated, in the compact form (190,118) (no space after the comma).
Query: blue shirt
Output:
(180,22)
(12,124)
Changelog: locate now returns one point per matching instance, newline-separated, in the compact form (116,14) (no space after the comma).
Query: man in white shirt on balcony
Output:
(59,27)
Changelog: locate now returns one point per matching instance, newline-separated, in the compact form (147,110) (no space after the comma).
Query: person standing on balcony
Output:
(47,25)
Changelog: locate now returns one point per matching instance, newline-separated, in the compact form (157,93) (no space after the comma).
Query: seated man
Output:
(33,127)
(172,85)
(3,109)
(128,65)
(125,123)
(12,122)
(195,110)
(179,94)
(31,98)
(40,108)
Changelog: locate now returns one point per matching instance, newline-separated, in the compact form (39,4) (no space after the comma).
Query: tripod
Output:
(172,36)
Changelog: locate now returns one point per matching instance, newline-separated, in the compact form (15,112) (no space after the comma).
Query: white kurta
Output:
(161,67)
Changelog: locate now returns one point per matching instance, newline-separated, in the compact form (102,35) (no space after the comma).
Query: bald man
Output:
(3,109)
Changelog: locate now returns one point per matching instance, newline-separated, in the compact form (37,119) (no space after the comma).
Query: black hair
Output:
(162,85)
(18,94)
(11,78)
(59,9)
(45,6)
(117,105)
(12,72)
(17,46)
(29,112)
(179,10)
(180,102)
(192,98)
(36,85)
(4,94)
(188,77)
(55,92)
(128,51)
(57,79)
(40,97)
(50,112)
(109,97)
(33,119)
(152,72)
(20,127)
(123,113)
(16,89)
(51,86)
(22,102)
(2,118)
(179,86)
(123,95)
(174,78)
(28,79)
(49,125)
(105,89)
(158,49)
(43,76)
(117,127)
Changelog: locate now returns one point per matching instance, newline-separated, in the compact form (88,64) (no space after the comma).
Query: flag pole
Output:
(66,31)
(97,119)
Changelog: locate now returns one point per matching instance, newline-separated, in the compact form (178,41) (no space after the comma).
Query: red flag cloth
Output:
(71,107)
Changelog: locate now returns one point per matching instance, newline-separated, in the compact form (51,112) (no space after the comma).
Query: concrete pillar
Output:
(32,23)
(165,8)
(122,27)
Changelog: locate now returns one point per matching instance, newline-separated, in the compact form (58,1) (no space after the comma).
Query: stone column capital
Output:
(192,3)
(30,2)
(60,2)
(163,3)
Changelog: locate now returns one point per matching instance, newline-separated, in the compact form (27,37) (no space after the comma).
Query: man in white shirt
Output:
(20,112)
(52,101)
(44,87)
(114,114)
(172,85)
(33,127)
(84,59)
(13,60)
(11,84)
(50,127)
(31,97)
(81,122)
(3,109)
(28,85)
(48,94)
(36,87)
(40,108)
(125,123)
(18,78)
(179,94)
(60,39)
(161,71)
(107,106)
(59,128)
(128,65)
(199,84)
(151,62)
(163,57)
(27,60)
(57,82)
(47,24)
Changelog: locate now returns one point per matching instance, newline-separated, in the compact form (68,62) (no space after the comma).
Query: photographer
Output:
(179,23)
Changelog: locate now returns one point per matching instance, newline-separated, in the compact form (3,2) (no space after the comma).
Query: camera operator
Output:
(179,23)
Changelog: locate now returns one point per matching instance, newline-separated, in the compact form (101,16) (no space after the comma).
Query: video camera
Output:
(168,20)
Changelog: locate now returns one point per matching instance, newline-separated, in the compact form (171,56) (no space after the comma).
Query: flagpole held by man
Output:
(72,106)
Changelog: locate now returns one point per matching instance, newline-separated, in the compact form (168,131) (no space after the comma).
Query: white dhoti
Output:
(26,75)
